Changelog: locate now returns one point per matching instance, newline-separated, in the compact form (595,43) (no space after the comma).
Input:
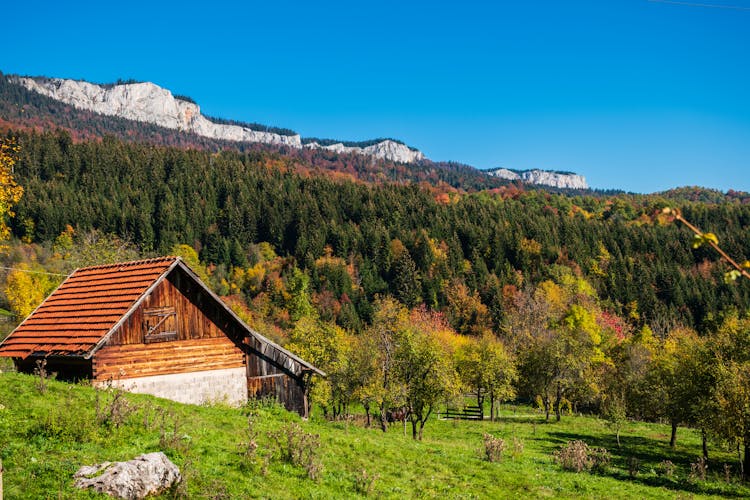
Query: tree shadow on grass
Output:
(649,452)
(643,448)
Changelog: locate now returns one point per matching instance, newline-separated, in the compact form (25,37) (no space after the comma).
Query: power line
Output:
(33,272)
(705,5)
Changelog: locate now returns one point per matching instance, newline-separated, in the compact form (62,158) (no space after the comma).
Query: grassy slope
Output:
(45,438)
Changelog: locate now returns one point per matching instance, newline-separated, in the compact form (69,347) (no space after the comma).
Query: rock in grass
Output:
(132,480)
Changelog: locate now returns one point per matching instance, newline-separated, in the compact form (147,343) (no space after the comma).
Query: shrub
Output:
(517,448)
(577,456)
(665,468)
(170,437)
(727,473)
(116,411)
(299,448)
(248,449)
(634,466)
(698,470)
(41,372)
(600,459)
(364,483)
(493,448)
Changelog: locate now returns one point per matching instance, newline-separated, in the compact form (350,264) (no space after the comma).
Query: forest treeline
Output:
(414,242)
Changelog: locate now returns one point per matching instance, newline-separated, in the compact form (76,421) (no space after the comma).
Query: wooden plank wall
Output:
(189,323)
(182,356)
(286,390)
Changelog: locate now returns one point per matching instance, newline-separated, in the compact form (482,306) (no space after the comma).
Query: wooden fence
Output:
(466,412)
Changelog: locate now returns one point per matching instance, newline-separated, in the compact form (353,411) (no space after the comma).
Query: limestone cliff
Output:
(147,102)
(543,177)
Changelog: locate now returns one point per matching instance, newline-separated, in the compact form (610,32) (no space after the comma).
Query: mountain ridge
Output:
(148,102)
(159,111)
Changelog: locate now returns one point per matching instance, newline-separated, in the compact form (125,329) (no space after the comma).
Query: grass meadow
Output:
(262,451)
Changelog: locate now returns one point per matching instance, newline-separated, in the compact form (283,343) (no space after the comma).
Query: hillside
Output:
(507,237)
(45,441)
(144,112)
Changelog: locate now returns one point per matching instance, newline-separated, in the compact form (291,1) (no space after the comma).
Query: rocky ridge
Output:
(147,102)
(542,177)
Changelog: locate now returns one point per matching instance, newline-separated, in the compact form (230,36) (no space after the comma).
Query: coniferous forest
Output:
(406,240)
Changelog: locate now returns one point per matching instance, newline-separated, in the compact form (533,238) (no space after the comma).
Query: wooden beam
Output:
(262,376)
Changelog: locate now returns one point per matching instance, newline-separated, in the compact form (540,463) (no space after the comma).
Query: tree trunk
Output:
(383,422)
(618,437)
(673,439)
(421,429)
(492,410)
(480,403)
(546,409)
(367,414)
(704,440)
(413,429)
(558,401)
(746,465)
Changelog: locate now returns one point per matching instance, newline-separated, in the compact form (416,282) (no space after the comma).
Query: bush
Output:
(115,412)
(364,483)
(299,448)
(171,438)
(493,448)
(698,470)
(665,468)
(517,448)
(634,466)
(577,456)
(248,449)
(727,473)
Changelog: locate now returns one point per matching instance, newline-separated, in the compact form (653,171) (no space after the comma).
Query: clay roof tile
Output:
(84,309)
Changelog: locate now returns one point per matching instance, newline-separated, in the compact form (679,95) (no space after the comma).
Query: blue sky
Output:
(634,94)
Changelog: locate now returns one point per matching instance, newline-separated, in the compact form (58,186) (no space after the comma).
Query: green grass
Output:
(44,438)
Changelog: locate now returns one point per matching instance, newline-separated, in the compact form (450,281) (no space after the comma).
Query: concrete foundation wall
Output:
(227,386)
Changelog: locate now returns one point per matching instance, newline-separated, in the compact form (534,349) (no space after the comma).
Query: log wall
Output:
(180,356)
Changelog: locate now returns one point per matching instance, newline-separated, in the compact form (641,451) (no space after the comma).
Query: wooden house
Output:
(152,326)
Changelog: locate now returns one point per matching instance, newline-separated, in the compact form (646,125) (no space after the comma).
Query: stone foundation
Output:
(228,386)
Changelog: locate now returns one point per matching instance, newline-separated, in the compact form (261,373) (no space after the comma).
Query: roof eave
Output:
(34,312)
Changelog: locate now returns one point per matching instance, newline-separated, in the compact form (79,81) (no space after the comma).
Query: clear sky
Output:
(634,94)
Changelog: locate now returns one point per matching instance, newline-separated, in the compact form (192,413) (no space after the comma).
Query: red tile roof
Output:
(84,308)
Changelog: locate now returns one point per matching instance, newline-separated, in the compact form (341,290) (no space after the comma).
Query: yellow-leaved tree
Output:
(10,192)
(27,287)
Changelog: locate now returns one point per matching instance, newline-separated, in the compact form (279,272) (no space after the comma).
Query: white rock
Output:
(543,177)
(504,173)
(133,480)
(149,103)
(391,150)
